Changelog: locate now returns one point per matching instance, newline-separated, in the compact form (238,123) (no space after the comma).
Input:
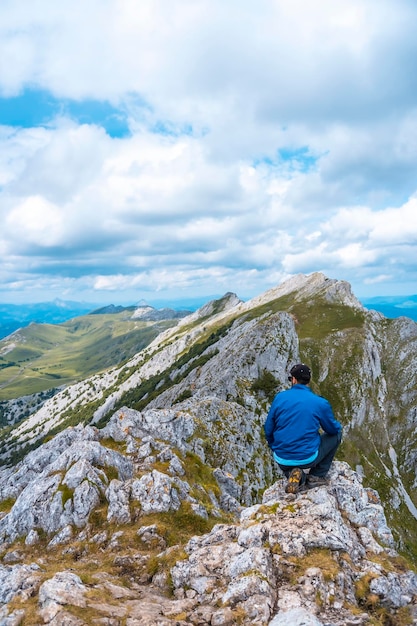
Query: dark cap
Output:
(300,372)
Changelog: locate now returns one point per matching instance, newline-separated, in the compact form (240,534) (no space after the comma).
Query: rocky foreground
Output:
(120,526)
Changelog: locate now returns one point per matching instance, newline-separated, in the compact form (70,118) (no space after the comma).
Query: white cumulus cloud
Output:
(261,141)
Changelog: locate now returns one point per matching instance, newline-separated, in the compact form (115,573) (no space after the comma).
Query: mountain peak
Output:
(215,307)
(142,310)
(308,286)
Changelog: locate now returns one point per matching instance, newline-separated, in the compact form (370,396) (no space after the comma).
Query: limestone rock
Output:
(14,618)
(295,617)
(18,580)
(275,538)
(158,492)
(118,495)
(65,588)
(67,489)
(296,558)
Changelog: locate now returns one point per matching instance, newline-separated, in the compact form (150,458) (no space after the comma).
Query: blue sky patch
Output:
(299,159)
(172,130)
(38,107)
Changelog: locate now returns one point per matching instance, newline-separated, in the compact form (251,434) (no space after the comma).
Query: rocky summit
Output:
(146,495)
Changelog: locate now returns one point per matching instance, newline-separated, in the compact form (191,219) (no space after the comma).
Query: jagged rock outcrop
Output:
(58,485)
(314,286)
(323,557)
(64,492)
(306,554)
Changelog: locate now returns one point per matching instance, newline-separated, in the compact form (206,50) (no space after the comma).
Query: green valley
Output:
(43,356)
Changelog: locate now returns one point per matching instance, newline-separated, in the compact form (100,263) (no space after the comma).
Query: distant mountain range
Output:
(14,316)
(393,306)
(41,356)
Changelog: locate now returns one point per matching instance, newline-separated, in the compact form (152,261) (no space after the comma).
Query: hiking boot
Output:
(294,480)
(316,481)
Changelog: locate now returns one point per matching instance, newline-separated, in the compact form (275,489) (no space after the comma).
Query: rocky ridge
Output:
(162,353)
(159,468)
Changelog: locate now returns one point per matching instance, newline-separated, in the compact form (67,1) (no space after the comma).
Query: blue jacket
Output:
(293,423)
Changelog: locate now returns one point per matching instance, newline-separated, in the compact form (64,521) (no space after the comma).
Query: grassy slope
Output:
(52,355)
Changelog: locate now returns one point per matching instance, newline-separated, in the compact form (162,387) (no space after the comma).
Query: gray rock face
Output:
(63,493)
(156,492)
(170,425)
(66,490)
(289,557)
(250,347)
(296,617)
(65,588)
(257,567)
(15,479)
(18,580)
(118,496)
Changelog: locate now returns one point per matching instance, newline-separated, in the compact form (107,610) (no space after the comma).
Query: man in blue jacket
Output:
(292,429)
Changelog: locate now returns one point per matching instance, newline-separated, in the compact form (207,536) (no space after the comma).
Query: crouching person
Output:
(292,429)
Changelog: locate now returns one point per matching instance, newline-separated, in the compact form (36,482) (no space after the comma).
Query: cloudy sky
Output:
(179,148)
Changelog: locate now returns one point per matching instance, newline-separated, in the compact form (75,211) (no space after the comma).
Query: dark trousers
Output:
(321,465)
